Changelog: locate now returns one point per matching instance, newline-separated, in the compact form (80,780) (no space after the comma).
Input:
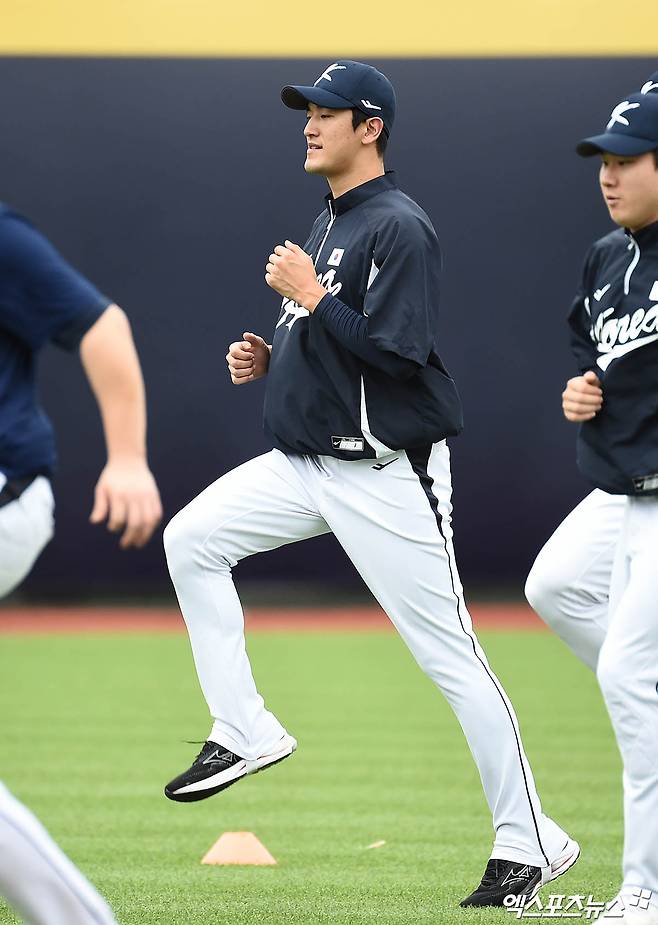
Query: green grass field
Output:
(95,725)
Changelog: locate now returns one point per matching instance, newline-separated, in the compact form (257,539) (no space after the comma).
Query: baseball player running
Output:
(44,300)
(358,407)
(594,581)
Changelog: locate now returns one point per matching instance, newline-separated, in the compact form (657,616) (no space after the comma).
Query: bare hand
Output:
(127,496)
(291,273)
(582,398)
(248,359)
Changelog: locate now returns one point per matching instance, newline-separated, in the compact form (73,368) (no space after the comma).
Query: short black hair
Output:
(358,117)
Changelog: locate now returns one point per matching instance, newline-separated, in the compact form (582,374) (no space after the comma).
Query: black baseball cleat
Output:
(216,767)
(509,878)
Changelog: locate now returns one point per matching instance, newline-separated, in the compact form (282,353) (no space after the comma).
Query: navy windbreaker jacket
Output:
(614,332)
(376,252)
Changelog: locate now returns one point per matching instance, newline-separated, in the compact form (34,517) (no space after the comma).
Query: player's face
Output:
(630,189)
(331,143)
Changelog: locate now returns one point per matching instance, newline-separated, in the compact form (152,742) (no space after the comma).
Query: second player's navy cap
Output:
(651,85)
(631,130)
(348,85)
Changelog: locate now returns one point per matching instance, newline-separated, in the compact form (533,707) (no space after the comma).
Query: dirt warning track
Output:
(55,620)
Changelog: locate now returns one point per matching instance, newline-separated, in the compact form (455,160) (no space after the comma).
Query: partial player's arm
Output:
(579,317)
(126,493)
(582,398)
(248,359)
(55,304)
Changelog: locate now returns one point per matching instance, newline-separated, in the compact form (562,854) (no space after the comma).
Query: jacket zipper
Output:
(324,472)
(631,269)
(332,219)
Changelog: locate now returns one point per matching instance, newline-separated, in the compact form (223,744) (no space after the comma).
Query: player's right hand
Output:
(248,359)
(582,398)
(127,497)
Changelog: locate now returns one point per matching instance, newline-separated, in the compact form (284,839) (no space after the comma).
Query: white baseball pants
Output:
(26,527)
(569,583)
(393,518)
(37,878)
(596,583)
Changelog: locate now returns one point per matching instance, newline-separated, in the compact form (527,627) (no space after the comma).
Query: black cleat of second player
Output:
(215,768)
(502,879)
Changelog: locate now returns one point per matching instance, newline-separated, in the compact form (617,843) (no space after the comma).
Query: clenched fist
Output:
(248,359)
(291,273)
(582,398)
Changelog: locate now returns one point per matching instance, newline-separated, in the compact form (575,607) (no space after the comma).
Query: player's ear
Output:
(374,128)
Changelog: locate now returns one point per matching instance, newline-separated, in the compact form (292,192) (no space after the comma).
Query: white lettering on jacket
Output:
(293,312)
(615,337)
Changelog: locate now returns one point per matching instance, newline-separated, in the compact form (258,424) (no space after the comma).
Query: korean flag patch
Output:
(336,256)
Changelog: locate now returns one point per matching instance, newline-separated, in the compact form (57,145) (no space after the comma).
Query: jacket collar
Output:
(646,235)
(362,193)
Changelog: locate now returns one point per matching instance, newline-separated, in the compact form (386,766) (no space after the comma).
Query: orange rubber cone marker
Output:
(238,848)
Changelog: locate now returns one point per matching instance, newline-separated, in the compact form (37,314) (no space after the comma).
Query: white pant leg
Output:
(26,526)
(628,675)
(396,529)
(261,505)
(37,878)
(569,583)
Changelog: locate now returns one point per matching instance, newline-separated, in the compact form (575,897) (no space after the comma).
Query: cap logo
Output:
(370,105)
(326,75)
(617,114)
(649,86)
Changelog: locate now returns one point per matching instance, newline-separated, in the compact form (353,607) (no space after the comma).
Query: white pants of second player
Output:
(393,518)
(26,526)
(596,583)
(36,876)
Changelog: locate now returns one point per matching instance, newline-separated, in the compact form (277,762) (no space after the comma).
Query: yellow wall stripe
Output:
(338,28)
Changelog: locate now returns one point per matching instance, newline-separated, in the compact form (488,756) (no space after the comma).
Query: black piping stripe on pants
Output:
(419,459)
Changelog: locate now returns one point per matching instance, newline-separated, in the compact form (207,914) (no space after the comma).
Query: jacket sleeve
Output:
(44,298)
(350,329)
(583,345)
(402,299)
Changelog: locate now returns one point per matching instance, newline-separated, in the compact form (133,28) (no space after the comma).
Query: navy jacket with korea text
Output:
(614,332)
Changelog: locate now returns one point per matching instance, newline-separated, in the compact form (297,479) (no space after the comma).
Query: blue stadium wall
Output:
(167,181)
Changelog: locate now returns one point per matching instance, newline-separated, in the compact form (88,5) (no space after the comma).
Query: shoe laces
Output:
(492,871)
(204,743)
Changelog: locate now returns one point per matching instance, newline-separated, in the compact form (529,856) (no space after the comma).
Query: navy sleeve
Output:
(350,329)
(402,300)
(580,323)
(42,298)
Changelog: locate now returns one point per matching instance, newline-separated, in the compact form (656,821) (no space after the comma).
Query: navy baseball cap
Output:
(631,130)
(348,85)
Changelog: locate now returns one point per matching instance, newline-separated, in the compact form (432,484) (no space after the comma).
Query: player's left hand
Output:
(127,497)
(291,273)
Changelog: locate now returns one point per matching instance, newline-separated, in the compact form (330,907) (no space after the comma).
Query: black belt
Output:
(14,488)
